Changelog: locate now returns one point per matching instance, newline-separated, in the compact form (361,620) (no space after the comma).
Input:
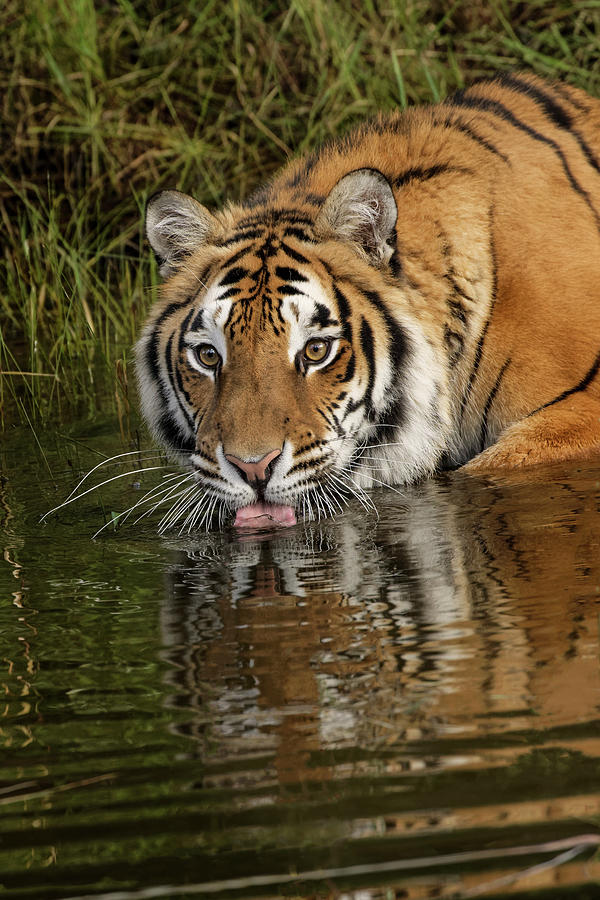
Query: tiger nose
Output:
(254,471)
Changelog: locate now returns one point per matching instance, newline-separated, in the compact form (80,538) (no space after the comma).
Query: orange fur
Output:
(491,275)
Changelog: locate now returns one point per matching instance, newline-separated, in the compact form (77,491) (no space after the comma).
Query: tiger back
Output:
(421,294)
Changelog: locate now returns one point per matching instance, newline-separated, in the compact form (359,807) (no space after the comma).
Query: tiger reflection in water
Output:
(464,615)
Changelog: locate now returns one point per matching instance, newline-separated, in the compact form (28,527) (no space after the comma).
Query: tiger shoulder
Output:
(420,294)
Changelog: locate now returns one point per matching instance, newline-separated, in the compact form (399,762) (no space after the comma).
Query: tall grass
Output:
(104,103)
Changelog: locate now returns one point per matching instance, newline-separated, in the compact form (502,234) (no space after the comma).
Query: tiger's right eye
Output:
(207,356)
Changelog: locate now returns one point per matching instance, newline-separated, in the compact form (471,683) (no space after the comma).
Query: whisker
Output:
(338,496)
(346,481)
(150,494)
(380,459)
(203,513)
(326,492)
(169,493)
(200,494)
(208,512)
(355,464)
(193,274)
(171,516)
(386,444)
(98,486)
(195,510)
(222,507)
(328,510)
(388,486)
(107,461)
(173,492)
(159,490)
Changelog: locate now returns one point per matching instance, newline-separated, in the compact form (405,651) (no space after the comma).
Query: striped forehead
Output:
(266,290)
(288,301)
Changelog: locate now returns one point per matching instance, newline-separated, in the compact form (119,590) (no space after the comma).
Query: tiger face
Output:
(272,364)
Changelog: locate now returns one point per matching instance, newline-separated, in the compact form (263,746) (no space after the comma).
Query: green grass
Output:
(104,103)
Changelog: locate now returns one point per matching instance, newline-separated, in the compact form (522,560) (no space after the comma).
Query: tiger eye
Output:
(316,350)
(208,355)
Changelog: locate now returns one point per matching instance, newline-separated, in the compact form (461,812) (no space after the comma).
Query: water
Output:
(371,707)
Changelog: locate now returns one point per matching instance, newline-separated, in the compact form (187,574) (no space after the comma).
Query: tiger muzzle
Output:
(256,473)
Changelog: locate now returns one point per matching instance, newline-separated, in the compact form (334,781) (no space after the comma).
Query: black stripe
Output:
(321,316)
(489,401)
(184,328)
(205,456)
(172,373)
(332,424)
(291,291)
(197,323)
(498,109)
(180,347)
(583,384)
(552,109)
(396,336)
(458,290)
(419,174)
(300,234)
(344,312)
(557,113)
(298,257)
(295,217)
(181,386)
(239,255)
(230,292)
(242,235)
(257,220)
(455,344)
(304,171)
(259,197)
(288,274)
(457,310)
(349,373)
(307,447)
(170,434)
(208,474)
(235,274)
(151,355)
(368,348)
(470,132)
(480,342)
(315,482)
(303,465)
(398,346)
(567,94)
(272,218)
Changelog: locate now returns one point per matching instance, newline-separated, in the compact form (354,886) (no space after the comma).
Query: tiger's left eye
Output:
(316,350)
(208,356)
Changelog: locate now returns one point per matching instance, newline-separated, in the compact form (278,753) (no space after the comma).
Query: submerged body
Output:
(422,294)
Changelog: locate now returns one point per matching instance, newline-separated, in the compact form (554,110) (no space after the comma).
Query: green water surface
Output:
(400,703)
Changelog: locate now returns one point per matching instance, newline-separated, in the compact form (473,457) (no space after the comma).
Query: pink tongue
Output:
(264,513)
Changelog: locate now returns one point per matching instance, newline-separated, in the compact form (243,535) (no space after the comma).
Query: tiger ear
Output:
(361,209)
(176,225)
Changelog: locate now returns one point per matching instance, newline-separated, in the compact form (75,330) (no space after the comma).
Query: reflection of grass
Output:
(105,103)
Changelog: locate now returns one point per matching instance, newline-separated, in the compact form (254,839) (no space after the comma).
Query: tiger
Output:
(420,295)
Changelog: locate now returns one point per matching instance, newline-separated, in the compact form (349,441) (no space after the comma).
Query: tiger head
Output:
(282,362)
